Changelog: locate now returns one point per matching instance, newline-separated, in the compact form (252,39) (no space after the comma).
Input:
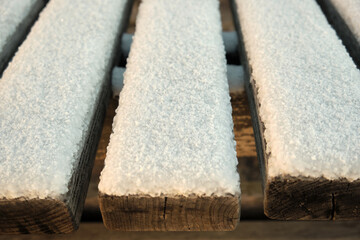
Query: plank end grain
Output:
(179,213)
(293,198)
(35,216)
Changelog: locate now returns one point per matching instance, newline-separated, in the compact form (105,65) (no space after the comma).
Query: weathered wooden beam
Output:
(305,103)
(16,19)
(52,102)
(171,161)
(344,17)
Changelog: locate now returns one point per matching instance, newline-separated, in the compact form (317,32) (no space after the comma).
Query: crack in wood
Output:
(332,207)
(164,215)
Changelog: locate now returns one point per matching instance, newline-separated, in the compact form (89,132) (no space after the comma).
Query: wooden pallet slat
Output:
(171,161)
(344,17)
(52,102)
(16,18)
(304,98)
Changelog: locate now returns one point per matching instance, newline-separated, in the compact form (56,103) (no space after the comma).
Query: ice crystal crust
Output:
(12,13)
(173,127)
(48,92)
(307,86)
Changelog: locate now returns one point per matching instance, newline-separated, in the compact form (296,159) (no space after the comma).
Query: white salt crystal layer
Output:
(48,92)
(12,14)
(308,89)
(173,127)
(235,76)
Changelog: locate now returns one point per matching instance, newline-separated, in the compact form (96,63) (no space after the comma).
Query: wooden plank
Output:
(171,161)
(16,19)
(315,175)
(248,166)
(244,135)
(48,136)
(343,15)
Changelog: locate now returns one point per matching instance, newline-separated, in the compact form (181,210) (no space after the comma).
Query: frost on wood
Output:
(344,17)
(48,92)
(12,13)
(16,18)
(235,76)
(173,127)
(307,87)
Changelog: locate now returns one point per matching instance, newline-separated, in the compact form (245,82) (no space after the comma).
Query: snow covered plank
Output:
(171,161)
(52,101)
(16,18)
(344,16)
(244,135)
(305,101)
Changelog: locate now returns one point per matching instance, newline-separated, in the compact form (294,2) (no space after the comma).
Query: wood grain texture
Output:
(145,213)
(343,31)
(13,42)
(300,198)
(243,131)
(308,198)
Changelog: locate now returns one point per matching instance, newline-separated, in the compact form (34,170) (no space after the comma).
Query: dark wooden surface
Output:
(289,198)
(145,213)
(243,131)
(300,198)
(261,230)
